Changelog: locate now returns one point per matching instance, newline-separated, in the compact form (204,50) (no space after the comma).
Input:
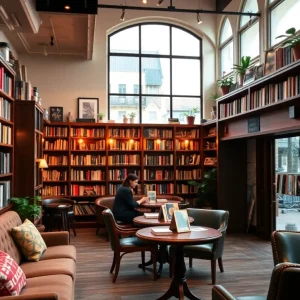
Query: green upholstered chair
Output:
(217,219)
(285,246)
(122,246)
(283,285)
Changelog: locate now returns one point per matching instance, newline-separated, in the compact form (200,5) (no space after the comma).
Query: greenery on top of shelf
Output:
(292,38)
(241,68)
(225,81)
(192,112)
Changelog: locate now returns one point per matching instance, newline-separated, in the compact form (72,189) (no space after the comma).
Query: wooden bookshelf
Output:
(6,134)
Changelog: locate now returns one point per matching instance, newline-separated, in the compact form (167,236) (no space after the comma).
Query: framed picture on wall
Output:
(88,108)
(56,113)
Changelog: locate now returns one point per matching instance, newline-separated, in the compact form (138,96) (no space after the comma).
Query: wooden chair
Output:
(283,285)
(122,246)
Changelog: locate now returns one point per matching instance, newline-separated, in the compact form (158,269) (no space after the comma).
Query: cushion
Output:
(12,278)
(29,240)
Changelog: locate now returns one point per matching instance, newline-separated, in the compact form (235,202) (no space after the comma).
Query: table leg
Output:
(179,287)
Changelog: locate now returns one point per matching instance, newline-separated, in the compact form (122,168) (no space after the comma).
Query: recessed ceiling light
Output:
(67,7)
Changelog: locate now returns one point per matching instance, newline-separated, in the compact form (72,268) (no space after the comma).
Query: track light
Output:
(159,2)
(199,20)
(122,18)
(145,1)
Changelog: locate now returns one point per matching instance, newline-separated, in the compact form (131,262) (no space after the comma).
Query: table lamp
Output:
(43,164)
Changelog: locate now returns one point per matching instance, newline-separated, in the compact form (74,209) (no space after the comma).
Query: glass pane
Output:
(186,77)
(124,74)
(284,16)
(249,6)
(155,75)
(155,110)
(155,39)
(123,105)
(183,43)
(271,1)
(226,59)
(226,31)
(126,41)
(181,105)
(251,34)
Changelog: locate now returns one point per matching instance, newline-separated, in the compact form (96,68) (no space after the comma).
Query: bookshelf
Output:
(28,148)
(6,134)
(90,160)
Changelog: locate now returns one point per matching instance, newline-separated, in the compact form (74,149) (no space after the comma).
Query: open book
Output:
(161,231)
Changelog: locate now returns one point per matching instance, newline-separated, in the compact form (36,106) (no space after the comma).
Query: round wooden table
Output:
(144,222)
(178,287)
(156,205)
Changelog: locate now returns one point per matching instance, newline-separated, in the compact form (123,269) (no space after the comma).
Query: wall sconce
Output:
(43,164)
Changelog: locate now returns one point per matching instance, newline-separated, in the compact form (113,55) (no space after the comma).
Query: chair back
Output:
(285,246)
(284,282)
(111,227)
(217,219)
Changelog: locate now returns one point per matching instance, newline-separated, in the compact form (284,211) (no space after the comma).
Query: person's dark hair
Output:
(131,177)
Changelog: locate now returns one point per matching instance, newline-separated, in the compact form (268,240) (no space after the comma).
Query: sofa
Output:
(53,276)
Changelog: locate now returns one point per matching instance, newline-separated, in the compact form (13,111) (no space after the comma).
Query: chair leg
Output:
(220,262)
(113,264)
(171,261)
(190,262)
(154,258)
(143,259)
(213,264)
(118,259)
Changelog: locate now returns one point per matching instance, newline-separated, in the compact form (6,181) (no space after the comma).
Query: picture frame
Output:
(56,113)
(270,62)
(151,196)
(88,108)
(210,161)
(259,71)
(249,75)
(233,87)
(180,221)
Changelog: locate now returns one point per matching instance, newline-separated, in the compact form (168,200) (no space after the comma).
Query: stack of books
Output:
(161,231)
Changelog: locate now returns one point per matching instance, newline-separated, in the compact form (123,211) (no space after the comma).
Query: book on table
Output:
(161,200)
(161,231)
(151,215)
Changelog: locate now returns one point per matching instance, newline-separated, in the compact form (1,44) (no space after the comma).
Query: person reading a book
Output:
(124,208)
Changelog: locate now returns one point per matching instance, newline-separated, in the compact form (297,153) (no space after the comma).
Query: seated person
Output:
(124,208)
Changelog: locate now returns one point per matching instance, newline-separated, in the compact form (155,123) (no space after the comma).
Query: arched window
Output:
(282,16)
(155,72)
(226,48)
(249,31)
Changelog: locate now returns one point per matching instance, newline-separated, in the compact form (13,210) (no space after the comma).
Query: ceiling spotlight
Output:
(199,20)
(122,18)
(159,2)
(145,1)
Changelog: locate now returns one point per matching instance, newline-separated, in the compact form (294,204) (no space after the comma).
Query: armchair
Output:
(283,285)
(217,219)
(285,246)
(122,246)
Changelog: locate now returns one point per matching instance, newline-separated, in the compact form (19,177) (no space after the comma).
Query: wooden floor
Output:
(247,264)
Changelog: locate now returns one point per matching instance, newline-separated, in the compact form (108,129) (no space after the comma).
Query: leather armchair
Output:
(285,246)
(283,285)
(122,246)
(217,219)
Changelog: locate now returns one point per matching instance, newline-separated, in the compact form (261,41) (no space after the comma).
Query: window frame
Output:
(141,96)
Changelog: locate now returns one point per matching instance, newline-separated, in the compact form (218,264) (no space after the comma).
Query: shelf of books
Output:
(7,79)
(90,160)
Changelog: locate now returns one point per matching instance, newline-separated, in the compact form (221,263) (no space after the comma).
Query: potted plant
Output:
(292,41)
(225,83)
(190,115)
(213,99)
(26,207)
(101,115)
(206,189)
(125,119)
(131,117)
(240,70)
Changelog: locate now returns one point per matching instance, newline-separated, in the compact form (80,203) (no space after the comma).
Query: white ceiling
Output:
(73,33)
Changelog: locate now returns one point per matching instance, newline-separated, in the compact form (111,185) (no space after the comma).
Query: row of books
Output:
(87,132)
(87,190)
(5,162)
(188,174)
(5,134)
(53,160)
(56,145)
(288,184)
(87,174)
(23,90)
(54,175)
(84,209)
(159,144)
(187,145)
(185,189)
(158,159)
(88,160)
(5,192)
(158,174)
(124,159)
(124,145)
(5,109)
(98,145)
(6,82)
(124,132)
(158,133)
(55,131)
(162,188)
(188,133)
(190,159)
(121,174)
(56,190)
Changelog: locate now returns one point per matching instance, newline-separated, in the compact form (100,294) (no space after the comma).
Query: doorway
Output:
(287,183)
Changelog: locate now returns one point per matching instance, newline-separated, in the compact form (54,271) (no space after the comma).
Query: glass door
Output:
(287,183)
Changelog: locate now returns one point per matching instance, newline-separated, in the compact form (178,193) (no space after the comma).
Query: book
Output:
(151,196)
(151,215)
(170,208)
(161,231)
(161,200)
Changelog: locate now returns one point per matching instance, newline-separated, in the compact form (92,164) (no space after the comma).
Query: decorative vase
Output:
(125,120)
(225,89)
(296,52)
(241,78)
(190,120)
(131,120)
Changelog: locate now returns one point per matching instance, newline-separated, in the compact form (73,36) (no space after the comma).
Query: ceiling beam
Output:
(180,10)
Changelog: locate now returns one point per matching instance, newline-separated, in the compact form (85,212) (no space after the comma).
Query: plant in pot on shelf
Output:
(206,189)
(292,41)
(27,208)
(213,99)
(191,115)
(240,70)
(101,116)
(125,119)
(132,117)
(225,83)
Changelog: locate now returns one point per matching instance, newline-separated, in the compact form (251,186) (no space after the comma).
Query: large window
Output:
(249,31)
(283,15)
(154,71)
(226,48)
